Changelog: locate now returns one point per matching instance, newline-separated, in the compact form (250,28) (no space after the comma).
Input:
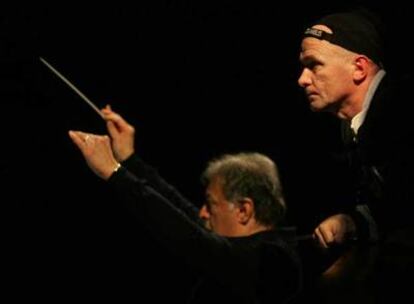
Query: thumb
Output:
(112,130)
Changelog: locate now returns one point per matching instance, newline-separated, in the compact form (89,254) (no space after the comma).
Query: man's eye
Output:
(208,203)
(311,65)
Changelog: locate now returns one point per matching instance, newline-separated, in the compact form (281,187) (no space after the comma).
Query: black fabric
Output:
(357,31)
(383,156)
(382,162)
(261,268)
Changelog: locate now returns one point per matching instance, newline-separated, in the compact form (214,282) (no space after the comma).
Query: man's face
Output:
(326,76)
(219,214)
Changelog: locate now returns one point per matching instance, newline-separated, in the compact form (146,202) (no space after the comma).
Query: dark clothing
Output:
(382,161)
(261,268)
(382,158)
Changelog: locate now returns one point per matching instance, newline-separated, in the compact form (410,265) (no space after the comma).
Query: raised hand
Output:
(121,132)
(96,150)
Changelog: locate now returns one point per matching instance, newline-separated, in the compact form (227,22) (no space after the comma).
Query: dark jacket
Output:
(261,268)
(382,157)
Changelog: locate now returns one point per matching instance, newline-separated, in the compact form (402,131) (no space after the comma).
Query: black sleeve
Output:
(148,174)
(204,250)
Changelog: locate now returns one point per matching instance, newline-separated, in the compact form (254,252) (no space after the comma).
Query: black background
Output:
(196,80)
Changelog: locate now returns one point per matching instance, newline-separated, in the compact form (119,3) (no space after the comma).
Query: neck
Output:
(349,109)
(353,104)
(256,229)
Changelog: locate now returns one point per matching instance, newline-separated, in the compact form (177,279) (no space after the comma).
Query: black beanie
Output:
(357,31)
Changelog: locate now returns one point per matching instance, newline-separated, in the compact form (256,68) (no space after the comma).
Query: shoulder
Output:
(278,249)
(280,269)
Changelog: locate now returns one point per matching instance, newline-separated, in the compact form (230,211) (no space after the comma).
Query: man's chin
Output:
(315,107)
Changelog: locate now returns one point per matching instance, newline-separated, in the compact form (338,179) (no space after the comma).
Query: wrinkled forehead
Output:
(214,186)
(313,46)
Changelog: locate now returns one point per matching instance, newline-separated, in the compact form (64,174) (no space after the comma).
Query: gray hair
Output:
(251,175)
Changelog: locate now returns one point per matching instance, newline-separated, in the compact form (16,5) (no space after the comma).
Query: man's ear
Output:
(245,211)
(361,64)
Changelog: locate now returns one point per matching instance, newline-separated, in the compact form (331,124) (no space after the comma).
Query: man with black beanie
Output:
(342,57)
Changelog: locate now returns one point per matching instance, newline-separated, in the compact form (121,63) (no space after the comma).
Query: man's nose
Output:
(304,79)
(203,213)
(205,216)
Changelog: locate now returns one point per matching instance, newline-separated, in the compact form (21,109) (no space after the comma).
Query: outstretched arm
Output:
(123,146)
(204,250)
